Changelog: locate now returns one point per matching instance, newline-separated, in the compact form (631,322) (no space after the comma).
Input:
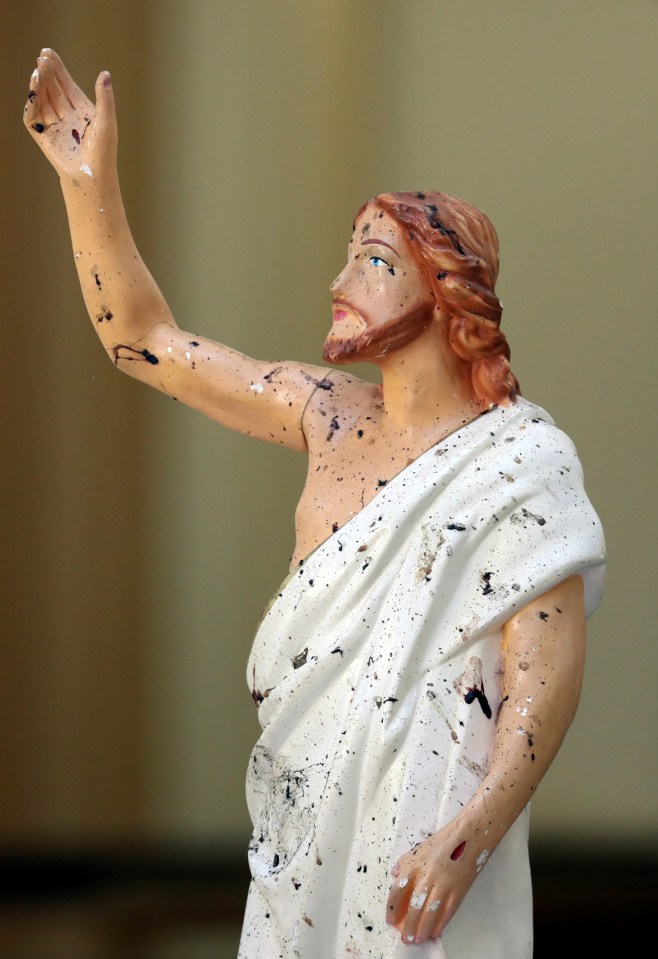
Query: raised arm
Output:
(127,309)
(543,658)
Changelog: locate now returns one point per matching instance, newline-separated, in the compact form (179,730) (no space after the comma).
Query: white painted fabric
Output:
(364,660)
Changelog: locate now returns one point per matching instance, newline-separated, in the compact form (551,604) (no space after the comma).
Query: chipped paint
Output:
(418,900)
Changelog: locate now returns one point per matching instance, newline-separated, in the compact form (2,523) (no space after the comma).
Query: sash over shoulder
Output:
(363,664)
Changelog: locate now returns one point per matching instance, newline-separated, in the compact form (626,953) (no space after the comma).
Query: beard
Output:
(378,341)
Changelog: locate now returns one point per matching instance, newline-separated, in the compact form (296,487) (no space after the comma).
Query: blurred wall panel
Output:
(73,616)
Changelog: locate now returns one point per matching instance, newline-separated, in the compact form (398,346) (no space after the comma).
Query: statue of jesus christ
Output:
(419,668)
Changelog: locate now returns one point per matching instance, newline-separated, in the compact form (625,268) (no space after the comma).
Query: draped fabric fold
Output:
(377,667)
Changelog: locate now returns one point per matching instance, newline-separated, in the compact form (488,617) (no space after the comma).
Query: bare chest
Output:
(341,481)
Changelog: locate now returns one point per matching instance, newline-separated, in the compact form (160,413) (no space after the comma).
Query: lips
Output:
(341,310)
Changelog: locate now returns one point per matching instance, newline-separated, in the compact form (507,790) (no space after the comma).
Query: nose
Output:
(340,284)
(336,284)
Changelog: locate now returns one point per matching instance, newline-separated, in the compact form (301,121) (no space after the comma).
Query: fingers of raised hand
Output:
(54,104)
(39,112)
(32,112)
(70,90)
(57,113)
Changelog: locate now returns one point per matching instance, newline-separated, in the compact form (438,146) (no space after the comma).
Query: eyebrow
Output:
(381,243)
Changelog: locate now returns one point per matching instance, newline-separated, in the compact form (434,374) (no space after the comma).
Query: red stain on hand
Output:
(457,851)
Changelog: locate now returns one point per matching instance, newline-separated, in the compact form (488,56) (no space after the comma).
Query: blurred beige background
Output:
(140,542)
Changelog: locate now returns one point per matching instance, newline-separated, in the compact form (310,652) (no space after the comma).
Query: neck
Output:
(424,389)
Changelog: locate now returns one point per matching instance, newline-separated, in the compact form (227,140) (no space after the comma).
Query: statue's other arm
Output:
(124,303)
(543,650)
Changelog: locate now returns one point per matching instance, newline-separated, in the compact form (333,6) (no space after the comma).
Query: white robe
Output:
(364,661)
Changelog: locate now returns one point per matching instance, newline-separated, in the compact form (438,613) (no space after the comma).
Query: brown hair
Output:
(456,248)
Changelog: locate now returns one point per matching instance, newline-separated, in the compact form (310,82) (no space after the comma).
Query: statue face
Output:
(380,300)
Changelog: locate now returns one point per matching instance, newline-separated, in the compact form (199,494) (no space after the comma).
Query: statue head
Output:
(454,249)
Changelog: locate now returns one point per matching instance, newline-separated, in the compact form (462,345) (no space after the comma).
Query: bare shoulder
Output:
(339,400)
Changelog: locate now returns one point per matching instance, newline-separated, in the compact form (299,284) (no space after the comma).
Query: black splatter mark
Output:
(145,355)
(334,527)
(268,376)
(275,861)
(382,482)
(337,650)
(76,136)
(258,697)
(300,659)
(487,588)
(421,196)
(333,426)
(105,315)
(478,694)
(500,706)
(193,343)
(436,224)
(98,281)
(39,127)
(442,275)
(359,433)
(543,615)
(456,526)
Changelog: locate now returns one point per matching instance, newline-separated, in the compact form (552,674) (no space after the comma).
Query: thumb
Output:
(106,122)
(105,99)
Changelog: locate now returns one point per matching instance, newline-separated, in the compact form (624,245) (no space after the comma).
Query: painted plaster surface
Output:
(377,669)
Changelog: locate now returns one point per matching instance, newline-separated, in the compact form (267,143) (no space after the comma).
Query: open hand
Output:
(78,137)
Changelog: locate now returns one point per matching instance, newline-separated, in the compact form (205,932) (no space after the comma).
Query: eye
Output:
(380,261)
